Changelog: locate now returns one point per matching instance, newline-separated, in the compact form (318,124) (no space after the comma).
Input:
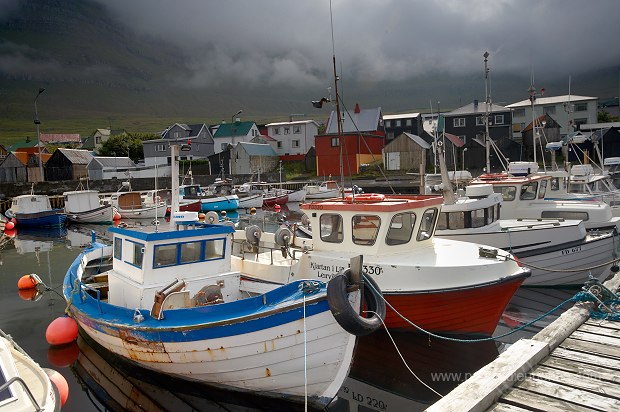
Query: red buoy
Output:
(28,282)
(117,216)
(61,331)
(63,356)
(277,207)
(29,294)
(61,384)
(10,232)
(9,225)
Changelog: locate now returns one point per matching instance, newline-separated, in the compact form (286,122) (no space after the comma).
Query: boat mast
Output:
(487,143)
(174,161)
(339,122)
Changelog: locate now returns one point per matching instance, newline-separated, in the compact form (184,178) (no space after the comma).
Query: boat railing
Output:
(26,389)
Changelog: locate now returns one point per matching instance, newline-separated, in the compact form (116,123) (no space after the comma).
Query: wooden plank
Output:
(594,338)
(587,358)
(541,402)
(506,407)
(591,347)
(577,380)
(583,369)
(603,323)
(480,391)
(598,330)
(569,394)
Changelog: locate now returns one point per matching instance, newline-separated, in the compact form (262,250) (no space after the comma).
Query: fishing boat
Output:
(208,200)
(25,386)
(131,205)
(274,198)
(35,210)
(553,249)
(438,284)
(85,206)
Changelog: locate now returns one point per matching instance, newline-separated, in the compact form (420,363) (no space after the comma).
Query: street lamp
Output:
(232,124)
(38,122)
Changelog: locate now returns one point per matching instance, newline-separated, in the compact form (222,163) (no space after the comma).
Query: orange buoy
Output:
(223,213)
(60,383)
(201,216)
(61,331)
(252,210)
(9,225)
(117,216)
(28,281)
(63,356)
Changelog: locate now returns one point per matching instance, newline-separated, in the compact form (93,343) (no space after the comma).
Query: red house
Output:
(362,138)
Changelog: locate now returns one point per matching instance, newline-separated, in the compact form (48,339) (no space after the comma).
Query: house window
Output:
(276,130)
(98,140)
(479,121)
(295,143)
(296,130)
(519,113)
(287,130)
(388,123)
(459,122)
(160,148)
(390,135)
(176,135)
(499,119)
(408,122)
(398,123)
(279,145)
(581,107)
(549,109)
(335,142)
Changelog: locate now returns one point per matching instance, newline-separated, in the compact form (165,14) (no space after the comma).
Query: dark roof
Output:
(76,156)
(119,162)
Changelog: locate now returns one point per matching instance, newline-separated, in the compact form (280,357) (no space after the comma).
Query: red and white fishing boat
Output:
(440,285)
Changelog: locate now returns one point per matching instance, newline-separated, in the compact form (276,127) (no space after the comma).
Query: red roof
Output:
(60,138)
(455,140)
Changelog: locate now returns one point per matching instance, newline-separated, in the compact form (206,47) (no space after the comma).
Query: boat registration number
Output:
(571,250)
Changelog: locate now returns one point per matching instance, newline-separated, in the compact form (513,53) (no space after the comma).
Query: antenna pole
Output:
(339,122)
(487,103)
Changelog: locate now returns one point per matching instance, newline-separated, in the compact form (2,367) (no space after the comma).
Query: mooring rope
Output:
(579,297)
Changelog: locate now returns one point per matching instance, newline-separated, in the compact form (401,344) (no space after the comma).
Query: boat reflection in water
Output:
(378,380)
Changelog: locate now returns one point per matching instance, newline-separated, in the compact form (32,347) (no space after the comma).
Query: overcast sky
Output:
(284,42)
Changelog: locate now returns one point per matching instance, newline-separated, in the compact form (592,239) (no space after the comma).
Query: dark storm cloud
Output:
(288,42)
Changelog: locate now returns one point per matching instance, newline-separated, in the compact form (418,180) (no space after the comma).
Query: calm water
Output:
(99,381)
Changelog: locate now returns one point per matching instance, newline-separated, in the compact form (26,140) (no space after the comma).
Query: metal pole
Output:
(487,143)
(232,124)
(174,161)
(38,122)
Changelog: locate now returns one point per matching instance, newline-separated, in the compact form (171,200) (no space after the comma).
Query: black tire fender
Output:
(346,316)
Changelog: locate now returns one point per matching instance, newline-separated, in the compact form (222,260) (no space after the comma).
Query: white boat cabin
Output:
(81,200)
(30,204)
(148,262)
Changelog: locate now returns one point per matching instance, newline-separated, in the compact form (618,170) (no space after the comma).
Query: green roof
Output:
(21,145)
(240,129)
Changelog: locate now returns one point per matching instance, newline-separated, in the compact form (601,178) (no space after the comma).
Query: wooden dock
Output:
(571,365)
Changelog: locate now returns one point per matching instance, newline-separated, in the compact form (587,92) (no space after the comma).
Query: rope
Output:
(305,361)
(611,262)
(401,355)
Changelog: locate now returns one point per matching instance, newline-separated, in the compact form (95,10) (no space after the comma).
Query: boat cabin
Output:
(30,204)
(148,262)
(373,223)
(190,191)
(480,207)
(81,200)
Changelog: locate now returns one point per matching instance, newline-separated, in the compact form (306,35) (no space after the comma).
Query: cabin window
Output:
(477,218)
(558,214)
(555,184)
(118,248)
(401,229)
(543,189)
(508,192)
(190,252)
(165,255)
(214,249)
(365,229)
(427,224)
(137,257)
(528,191)
(331,228)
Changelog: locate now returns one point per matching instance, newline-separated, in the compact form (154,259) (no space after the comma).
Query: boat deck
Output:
(572,364)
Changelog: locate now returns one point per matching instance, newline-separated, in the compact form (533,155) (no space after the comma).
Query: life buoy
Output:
(343,312)
(365,198)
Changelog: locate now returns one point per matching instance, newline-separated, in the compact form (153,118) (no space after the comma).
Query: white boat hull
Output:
(103,214)
(250,201)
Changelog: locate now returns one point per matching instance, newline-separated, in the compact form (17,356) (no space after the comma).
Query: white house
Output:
(231,134)
(294,139)
(569,111)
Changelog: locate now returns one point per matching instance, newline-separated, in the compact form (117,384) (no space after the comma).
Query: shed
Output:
(67,164)
(248,158)
(100,167)
(406,152)
(22,167)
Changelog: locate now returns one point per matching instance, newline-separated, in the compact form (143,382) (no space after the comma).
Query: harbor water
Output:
(395,371)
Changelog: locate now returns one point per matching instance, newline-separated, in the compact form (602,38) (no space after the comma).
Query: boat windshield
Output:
(401,229)
(331,228)
(508,192)
(365,229)
(427,224)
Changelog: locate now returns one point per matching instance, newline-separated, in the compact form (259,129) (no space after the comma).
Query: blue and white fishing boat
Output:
(168,300)
(209,201)
(35,210)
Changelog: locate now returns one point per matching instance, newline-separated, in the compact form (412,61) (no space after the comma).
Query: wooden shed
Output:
(248,158)
(406,152)
(67,164)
